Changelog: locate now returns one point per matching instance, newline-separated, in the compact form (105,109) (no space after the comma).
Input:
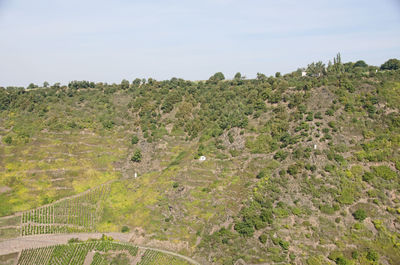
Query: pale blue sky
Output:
(98,40)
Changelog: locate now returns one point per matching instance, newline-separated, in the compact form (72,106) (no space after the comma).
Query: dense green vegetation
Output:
(299,169)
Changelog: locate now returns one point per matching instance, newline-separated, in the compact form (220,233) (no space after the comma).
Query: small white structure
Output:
(315,147)
(135,175)
(303,73)
(202,158)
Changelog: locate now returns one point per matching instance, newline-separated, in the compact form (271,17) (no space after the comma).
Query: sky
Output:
(107,41)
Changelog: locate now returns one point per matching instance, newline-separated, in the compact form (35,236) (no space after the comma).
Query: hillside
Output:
(298,169)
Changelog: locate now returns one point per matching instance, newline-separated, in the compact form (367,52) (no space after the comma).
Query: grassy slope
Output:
(188,203)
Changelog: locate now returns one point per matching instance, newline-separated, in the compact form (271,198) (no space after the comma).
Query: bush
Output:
(372,255)
(318,115)
(284,244)
(367,176)
(263,238)
(267,216)
(360,215)
(134,139)
(73,240)
(137,156)
(8,139)
(293,170)
(384,172)
(391,64)
(330,112)
(124,229)
(342,261)
(244,228)
(329,168)
(280,155)
(261,174)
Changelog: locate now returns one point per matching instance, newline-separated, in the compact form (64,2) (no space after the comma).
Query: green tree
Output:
(238,76)
(261,77)
(391,64)
(372,255)
(45,84)
(125,229)
(32,86)
(136,82)
(134,139)
(219,76)
(4,99)
(360,215)
(8,139)
(360,63)
(316,69)
(263,238)
(245,228)
(137,156)
(124,84)
(337,66)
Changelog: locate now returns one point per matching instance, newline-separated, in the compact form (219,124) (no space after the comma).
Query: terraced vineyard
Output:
(76,214)
(76,253)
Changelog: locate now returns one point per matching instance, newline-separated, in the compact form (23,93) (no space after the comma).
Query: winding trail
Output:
(18,244)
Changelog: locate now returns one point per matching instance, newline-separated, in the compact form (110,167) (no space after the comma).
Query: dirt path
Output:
(89,258)
(20,243)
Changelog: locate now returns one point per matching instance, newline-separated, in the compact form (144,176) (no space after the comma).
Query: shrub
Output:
(267,216)
(137,156)
(261,174)
(293,170)
(8,139)
(384,172)
(73,240)
(318,115)
(330,112)
(332,124)
(327,209)
(134,139)
(244,228)
(342,261)
(280,155)
(367,176)
(125,229)
(372,255)
(329,168)
(284,244)
(360,215)
(391,64)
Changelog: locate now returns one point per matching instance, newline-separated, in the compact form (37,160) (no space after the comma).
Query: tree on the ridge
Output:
(124,84)
(217,77)
(360,63)
(238,76)
(391,64)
